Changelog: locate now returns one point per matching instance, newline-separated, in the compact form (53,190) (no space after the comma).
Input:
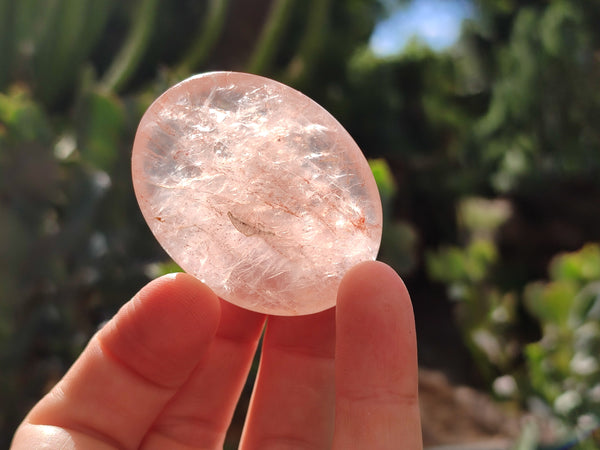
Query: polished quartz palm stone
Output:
(256,190)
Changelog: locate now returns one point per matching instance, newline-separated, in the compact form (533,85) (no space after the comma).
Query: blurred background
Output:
(481,120)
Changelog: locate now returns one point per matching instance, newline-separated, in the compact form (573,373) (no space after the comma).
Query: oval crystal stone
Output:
(256,190)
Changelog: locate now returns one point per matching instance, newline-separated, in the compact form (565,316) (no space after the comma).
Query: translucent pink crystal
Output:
(255,189)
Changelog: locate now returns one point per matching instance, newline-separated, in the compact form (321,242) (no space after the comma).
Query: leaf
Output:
(551,302)
(101,124)
(162,268)
(480,214)
(481,255)
(23,119)
(447,265)
(384,179)
(398,246)
(580,266)
(537,364)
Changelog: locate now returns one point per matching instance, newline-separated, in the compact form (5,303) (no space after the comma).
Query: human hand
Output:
(168,369)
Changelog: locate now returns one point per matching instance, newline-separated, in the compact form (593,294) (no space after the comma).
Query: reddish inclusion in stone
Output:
(255,189)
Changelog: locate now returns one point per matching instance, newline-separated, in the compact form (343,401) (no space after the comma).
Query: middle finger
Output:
(292,404)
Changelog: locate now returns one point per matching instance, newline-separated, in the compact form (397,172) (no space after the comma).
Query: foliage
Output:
(564,366)
(540,118)
(485,313)
(399,239)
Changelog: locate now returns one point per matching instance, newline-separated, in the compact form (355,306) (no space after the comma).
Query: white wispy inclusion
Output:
(254,188)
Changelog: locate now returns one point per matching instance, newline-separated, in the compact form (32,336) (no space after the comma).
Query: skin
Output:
(168,369)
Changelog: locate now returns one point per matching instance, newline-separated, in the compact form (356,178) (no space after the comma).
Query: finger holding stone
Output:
(129,370)
(292,402)
(200,413)
(376,362)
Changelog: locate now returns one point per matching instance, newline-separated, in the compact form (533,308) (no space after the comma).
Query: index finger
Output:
(129,370)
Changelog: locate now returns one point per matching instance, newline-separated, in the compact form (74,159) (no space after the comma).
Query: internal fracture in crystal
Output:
(255,189)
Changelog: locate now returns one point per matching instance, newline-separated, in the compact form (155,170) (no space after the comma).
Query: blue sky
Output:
(435,22)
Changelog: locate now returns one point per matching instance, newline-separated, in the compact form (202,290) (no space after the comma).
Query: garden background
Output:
(487,155)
